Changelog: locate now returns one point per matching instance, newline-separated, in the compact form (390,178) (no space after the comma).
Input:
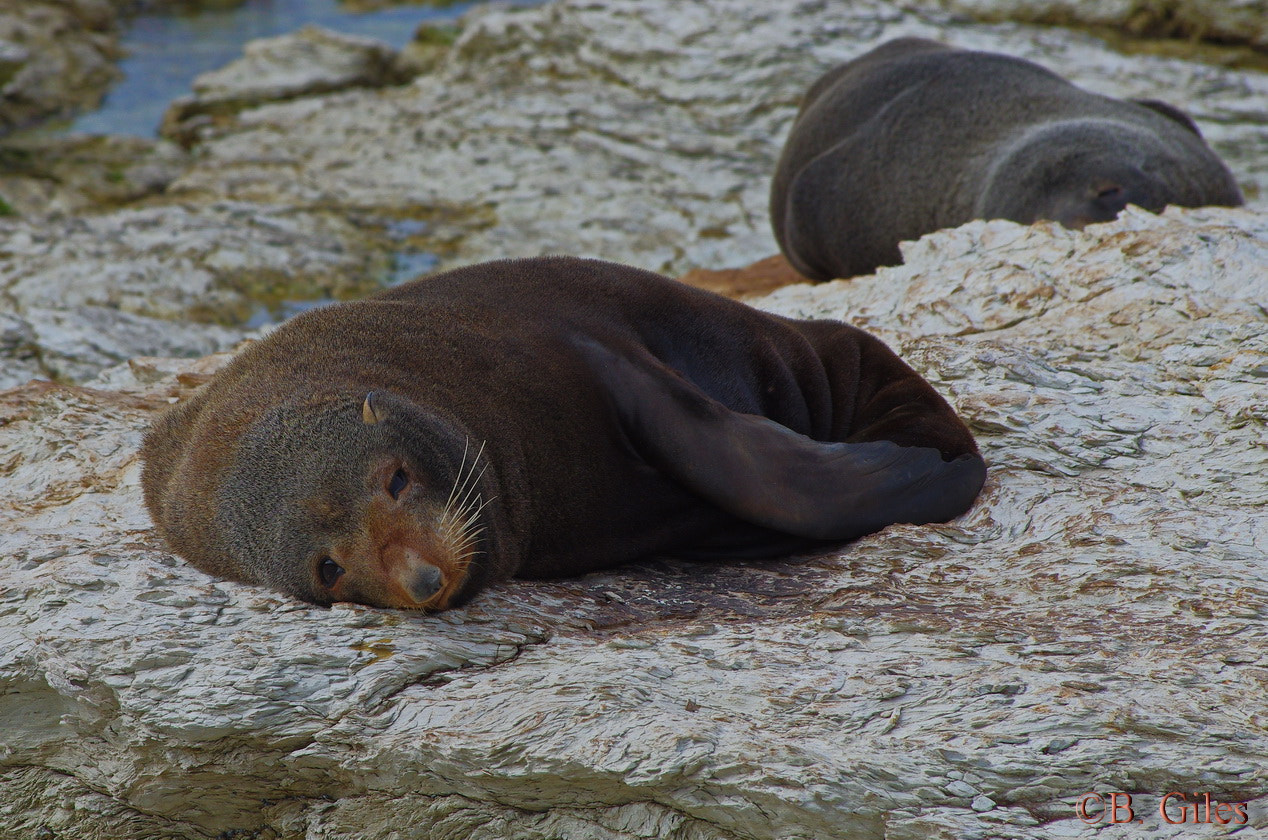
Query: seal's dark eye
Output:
(329,571)
(398,483)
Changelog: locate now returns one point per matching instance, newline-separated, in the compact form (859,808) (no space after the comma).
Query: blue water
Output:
(166,51)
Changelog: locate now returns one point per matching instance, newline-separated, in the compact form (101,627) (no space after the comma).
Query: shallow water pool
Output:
(166,51)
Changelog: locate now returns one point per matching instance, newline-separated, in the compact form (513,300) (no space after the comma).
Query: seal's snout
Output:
(415,578)
(1111,196)
(425,582)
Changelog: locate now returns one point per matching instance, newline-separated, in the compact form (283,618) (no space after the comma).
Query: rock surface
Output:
(58,56)
(86,292)
(304,63)
(1096,623)
(640,130)
(1225,21)
(637,130)
(58,175)
(54,57)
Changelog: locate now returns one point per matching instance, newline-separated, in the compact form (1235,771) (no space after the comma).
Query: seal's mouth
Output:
(414,583)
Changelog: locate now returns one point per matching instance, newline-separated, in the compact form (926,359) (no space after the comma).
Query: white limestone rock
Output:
(79,173)
(309,61)
(19,350)
(1095,623)
(88,292)
(76,344)
(643,131)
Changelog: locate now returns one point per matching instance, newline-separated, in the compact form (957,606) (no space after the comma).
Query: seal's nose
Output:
(425,583)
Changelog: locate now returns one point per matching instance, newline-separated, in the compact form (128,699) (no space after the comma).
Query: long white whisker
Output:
(458,524)
(453,491)
(473,480)
(483,504)
(464,479)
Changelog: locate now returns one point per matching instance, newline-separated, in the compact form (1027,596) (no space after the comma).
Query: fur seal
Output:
(916,136)
(543,417)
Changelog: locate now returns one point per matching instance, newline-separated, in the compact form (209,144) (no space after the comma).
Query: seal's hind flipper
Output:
(765,473)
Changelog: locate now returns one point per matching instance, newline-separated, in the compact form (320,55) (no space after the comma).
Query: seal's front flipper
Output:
(765,473)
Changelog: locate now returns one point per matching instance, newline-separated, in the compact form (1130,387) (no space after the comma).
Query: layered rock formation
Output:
(58,56)
(306,63)
(88,292)
(634,130)
(1094,625)
(1221,21)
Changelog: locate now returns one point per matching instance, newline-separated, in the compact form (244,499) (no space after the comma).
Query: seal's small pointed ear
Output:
(372,411)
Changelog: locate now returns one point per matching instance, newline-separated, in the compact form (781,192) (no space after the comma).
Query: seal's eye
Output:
(329,571)
(398,483)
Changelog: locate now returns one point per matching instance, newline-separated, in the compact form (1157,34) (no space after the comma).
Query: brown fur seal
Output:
(915,136)
(543,417)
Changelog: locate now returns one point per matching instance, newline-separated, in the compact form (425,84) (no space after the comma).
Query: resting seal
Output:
(543,417)
(915,136)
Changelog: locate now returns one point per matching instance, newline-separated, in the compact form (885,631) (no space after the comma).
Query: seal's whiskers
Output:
(458,525)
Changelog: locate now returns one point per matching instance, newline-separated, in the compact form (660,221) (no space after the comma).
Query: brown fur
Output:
(493,389)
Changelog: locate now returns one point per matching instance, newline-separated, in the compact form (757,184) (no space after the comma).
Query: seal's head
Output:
(368,499)
(1080,172)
